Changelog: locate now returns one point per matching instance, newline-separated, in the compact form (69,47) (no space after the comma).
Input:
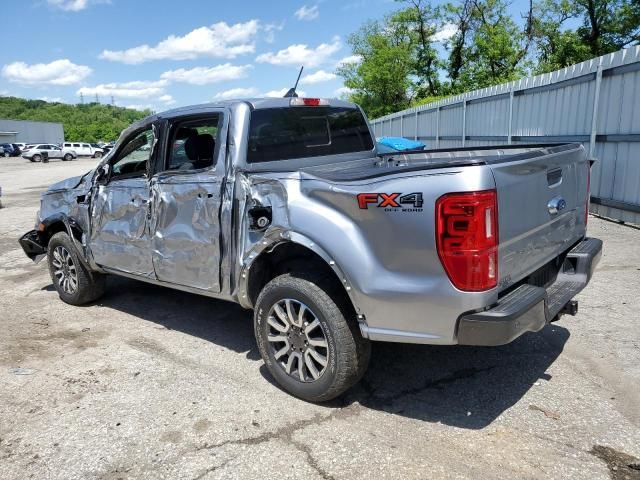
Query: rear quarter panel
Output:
(388,255)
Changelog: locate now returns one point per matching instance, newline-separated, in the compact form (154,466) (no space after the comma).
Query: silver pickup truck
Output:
(285,207)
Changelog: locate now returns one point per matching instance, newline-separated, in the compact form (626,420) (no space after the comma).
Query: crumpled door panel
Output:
(119,234)
(186,231)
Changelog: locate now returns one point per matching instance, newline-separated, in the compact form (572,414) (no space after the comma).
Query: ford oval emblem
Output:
(556,204)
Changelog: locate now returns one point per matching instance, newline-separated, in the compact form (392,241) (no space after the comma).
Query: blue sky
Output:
(165,53)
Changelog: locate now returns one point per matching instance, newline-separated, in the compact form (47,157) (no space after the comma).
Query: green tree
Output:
(381,81)
(605,26)
(89,123)
(423,21)
(489,46)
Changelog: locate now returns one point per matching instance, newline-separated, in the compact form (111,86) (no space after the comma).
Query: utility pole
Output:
(81,98)
(113,101)
(97,98)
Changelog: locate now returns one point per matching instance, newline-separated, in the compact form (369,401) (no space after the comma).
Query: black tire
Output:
(36,158)
(90,285)
(347,353)
(97,155)
(67,157)
(6,154)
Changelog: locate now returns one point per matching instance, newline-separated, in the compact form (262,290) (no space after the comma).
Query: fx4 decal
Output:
(392,201)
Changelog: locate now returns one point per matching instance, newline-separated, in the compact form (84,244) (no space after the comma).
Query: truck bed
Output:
(403,162)
(528,179)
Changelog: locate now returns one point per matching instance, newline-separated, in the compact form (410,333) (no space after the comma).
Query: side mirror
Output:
(103,174)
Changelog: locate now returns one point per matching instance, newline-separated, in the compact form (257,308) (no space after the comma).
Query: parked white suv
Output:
(85,149)
(36,153)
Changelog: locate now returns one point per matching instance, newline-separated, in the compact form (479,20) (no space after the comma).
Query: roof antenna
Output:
(292,91)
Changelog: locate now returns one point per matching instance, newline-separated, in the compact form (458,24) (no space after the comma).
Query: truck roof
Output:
(254,103)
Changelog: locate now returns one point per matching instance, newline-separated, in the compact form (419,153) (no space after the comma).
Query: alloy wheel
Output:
(297,340)
(65,270)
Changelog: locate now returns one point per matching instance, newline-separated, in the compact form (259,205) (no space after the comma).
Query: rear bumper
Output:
(529,308)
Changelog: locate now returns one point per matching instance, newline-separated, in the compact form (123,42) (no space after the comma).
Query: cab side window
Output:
(133,158)
(192,143)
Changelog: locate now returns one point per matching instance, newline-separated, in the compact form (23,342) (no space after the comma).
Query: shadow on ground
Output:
(466,387)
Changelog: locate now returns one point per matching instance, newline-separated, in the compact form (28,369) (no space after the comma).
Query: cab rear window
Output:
(299,132)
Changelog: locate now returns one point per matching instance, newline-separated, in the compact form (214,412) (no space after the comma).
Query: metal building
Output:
(25,131)
(596,102)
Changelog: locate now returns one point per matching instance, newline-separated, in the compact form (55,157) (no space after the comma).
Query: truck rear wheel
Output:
(74,283)
(309,338)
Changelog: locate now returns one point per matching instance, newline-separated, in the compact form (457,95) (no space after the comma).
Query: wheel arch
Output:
(282,256)
(60,222)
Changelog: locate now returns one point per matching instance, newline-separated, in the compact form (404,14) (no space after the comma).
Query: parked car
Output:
(84,149)
(107,147)
(286,207)
(36,153)
(8,150)
(20,145)
(2,152)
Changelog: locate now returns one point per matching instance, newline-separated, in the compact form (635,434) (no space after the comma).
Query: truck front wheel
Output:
(308,337)
(74,283)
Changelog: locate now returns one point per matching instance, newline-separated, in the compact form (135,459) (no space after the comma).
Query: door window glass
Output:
(192,144)
(134,156)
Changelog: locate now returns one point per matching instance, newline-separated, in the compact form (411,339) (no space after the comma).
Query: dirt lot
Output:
(153,383)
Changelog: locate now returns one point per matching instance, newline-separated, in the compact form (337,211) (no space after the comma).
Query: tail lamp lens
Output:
(588,199)
(467,238)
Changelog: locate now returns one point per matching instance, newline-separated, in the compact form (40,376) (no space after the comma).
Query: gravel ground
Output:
(154,383)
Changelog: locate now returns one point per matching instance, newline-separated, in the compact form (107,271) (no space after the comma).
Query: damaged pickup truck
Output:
(285,207)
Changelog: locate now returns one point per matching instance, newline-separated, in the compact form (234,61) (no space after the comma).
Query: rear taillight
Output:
(467,238)
(588,201)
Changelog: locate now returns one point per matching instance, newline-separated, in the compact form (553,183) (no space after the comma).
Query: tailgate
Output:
(542,200)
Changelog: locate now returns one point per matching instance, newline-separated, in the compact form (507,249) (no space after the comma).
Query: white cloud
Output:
(207,75)
(236,93)
(74,5)
(270,31)
(307,13)
(167,99)
(126,90)
(317,77)
(349,60)
(343,92)
(218,40)
(445,33)
(301,54)
(58,72)
(280,93)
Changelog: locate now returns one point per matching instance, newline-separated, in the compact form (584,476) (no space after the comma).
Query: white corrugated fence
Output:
(596,102)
